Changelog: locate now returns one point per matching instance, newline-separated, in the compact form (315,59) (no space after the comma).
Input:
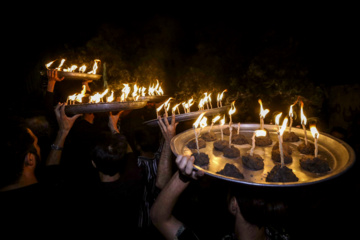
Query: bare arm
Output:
(65,124)
(161,211)
(52,79)
(164,170)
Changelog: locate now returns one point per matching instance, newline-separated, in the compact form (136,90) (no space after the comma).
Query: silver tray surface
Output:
(78,76)
(339,154)
(188,116)
(103,107)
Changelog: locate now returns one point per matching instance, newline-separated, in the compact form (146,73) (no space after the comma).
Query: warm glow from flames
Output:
(95,67)
(260,133)
(262,111)
(222,121)
(82,68)
(196,123)
(111,97)
(175,107)
(125,92)
(283,127)
(49,64)
(314,131)
(232,109)
(70,69)
(214,120)
(203,122)
(277,118)
(291,111)
(159,108)
(303,118)
(97,97)
(60,65)
(220,95)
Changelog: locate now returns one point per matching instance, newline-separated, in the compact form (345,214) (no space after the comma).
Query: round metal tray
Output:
(188,116)
(103,107)
(339,154)
(78,76)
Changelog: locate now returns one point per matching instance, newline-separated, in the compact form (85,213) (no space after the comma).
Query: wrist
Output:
(184,178)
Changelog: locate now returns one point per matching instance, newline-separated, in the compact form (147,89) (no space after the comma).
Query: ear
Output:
(30,160)
(233,206)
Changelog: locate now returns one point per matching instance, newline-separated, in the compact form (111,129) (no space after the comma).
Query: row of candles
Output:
(73,67)
(205,101)
(202,122)
(153,90)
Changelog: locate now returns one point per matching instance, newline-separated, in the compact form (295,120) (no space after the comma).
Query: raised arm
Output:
(164,170)
(161,211)
(65,124)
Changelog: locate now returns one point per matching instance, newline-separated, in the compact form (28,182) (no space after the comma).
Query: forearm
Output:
(55,155)
(161,211)
(164,170)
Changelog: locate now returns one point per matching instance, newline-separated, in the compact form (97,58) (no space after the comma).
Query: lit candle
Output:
(315,134)
(257,133)
(262,114)
(176,107)
(219,98)
(277,117)
(238,129)
(195,125)
(222,122)
(214,120)
(231,111)
(291,117)
(303,121)
(158,110)
(280,133)
(209,100)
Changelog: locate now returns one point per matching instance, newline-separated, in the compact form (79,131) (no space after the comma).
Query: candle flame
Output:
(82,68)
(222,121)
(214,120)
(49,64)
(203,122)
(196,123)
(135,92)
(111,97)
(303,118)
(260,133)
(283,127)
(175,107)
(60,65)
(159,108)
(262,111)
(95,67)
(314,131)
(220,95)
(125,92)
(291,111)
(70,69)
(97,97)
(232,109)
(277,118)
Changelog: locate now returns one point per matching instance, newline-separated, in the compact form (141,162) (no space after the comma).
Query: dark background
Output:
(275,53)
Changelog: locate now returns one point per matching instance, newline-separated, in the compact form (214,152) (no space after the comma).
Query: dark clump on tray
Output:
(220,144)
(231,152)
(290,137)
(281,174)
(254,162)
(231,171)
(192,143)
(307,149)
(263,141)
(201,159)
(208,136)
(226,131)
(314,164)
(239,139)
(286,147)
(275,156)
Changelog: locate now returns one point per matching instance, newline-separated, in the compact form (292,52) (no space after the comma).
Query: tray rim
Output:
(117,106)
(270,127)
(78,76)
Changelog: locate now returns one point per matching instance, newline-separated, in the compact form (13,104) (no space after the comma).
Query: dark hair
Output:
(109,153)
(147,138)
(17,143)
(262,206)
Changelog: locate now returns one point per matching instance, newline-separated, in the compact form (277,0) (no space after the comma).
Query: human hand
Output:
(167,130)
(113,119)
(186,167)
(86,83)
(65,123)
(52,75)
